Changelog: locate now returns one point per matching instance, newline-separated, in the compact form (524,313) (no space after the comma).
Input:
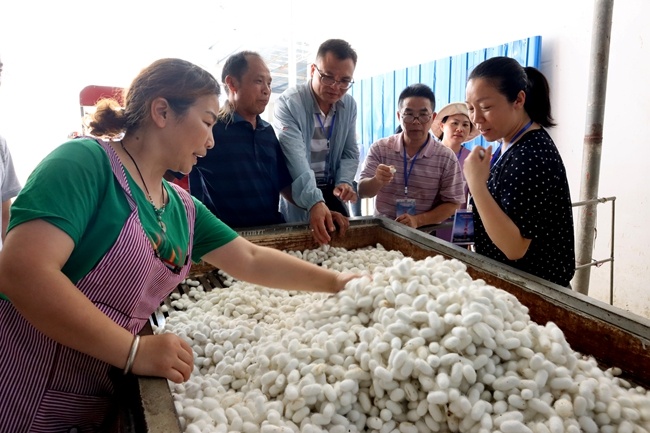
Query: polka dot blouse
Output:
(530,185)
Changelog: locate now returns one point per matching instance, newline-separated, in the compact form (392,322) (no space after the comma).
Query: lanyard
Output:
(521,131)
(322,127)
(496,156)
(499,152)
(408,174)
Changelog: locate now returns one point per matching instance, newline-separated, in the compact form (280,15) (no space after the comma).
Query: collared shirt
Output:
(434,179)
(241,177)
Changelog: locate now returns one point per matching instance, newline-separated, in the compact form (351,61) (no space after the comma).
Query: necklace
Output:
(157,211)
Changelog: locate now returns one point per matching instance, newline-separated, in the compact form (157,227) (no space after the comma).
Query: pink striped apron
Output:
(47,387)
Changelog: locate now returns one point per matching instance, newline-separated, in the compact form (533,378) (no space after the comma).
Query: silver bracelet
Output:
(132,353)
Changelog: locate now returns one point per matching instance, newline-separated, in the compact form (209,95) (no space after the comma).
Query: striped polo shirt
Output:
(434,178)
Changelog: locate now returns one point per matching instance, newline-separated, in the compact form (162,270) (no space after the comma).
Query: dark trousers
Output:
(332,202)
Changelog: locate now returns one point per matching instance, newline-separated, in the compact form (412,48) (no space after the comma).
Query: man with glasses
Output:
(416,179)
(316,126)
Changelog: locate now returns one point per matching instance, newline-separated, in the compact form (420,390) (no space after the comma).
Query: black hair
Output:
(341,49)
(180,82)
(509,77)
(418,90)
(236,66)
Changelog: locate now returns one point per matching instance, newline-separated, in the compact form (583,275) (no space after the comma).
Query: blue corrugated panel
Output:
(377,96)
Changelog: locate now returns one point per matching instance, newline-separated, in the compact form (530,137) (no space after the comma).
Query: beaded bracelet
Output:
(132,353)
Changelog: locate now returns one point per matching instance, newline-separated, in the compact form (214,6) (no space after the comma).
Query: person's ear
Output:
(232,83)
(160,112)
(521,99)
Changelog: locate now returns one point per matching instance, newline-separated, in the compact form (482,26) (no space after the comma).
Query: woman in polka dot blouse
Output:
(522,205)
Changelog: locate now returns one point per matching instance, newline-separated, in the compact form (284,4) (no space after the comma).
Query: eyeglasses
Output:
(422,118)
(328,80)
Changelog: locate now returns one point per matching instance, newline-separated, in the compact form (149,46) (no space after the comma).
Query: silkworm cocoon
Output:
(506,383)
(437,398)
(442,379)
(503,353)
(395,408)
(516,401)
(514,426)
(406,369)
(407,427)
(383,374)
(478,410)
(630,414)
(614,410)
(291,392)
(456,375)
(374,422)
(414,343)
(511,343)
(587,425)
(471,319)
(385,415)
(526,394)
(579,405)
(403,299)
(469,373)
(508,416)
(561,383)
(398,328)
(563,408)
(270,428)
(410,391)
(311,390)
(423,367)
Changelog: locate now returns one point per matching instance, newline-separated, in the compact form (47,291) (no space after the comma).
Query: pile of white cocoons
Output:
(410,347)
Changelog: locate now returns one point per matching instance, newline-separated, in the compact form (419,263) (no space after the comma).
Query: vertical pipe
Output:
(592,146)
(611,254)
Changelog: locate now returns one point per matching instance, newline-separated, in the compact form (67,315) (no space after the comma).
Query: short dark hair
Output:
(341,49)
(236,66)
(509,78)
(418,90)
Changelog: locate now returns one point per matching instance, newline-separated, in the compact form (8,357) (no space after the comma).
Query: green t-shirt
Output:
(74,189)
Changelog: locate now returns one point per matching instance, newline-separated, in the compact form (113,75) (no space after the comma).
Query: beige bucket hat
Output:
(450,110)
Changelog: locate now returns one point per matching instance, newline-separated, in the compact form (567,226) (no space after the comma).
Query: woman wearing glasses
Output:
(417,180)
(522,206)
(97,239)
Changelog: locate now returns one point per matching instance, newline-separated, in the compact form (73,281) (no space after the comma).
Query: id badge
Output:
(404,205)
(463,229)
